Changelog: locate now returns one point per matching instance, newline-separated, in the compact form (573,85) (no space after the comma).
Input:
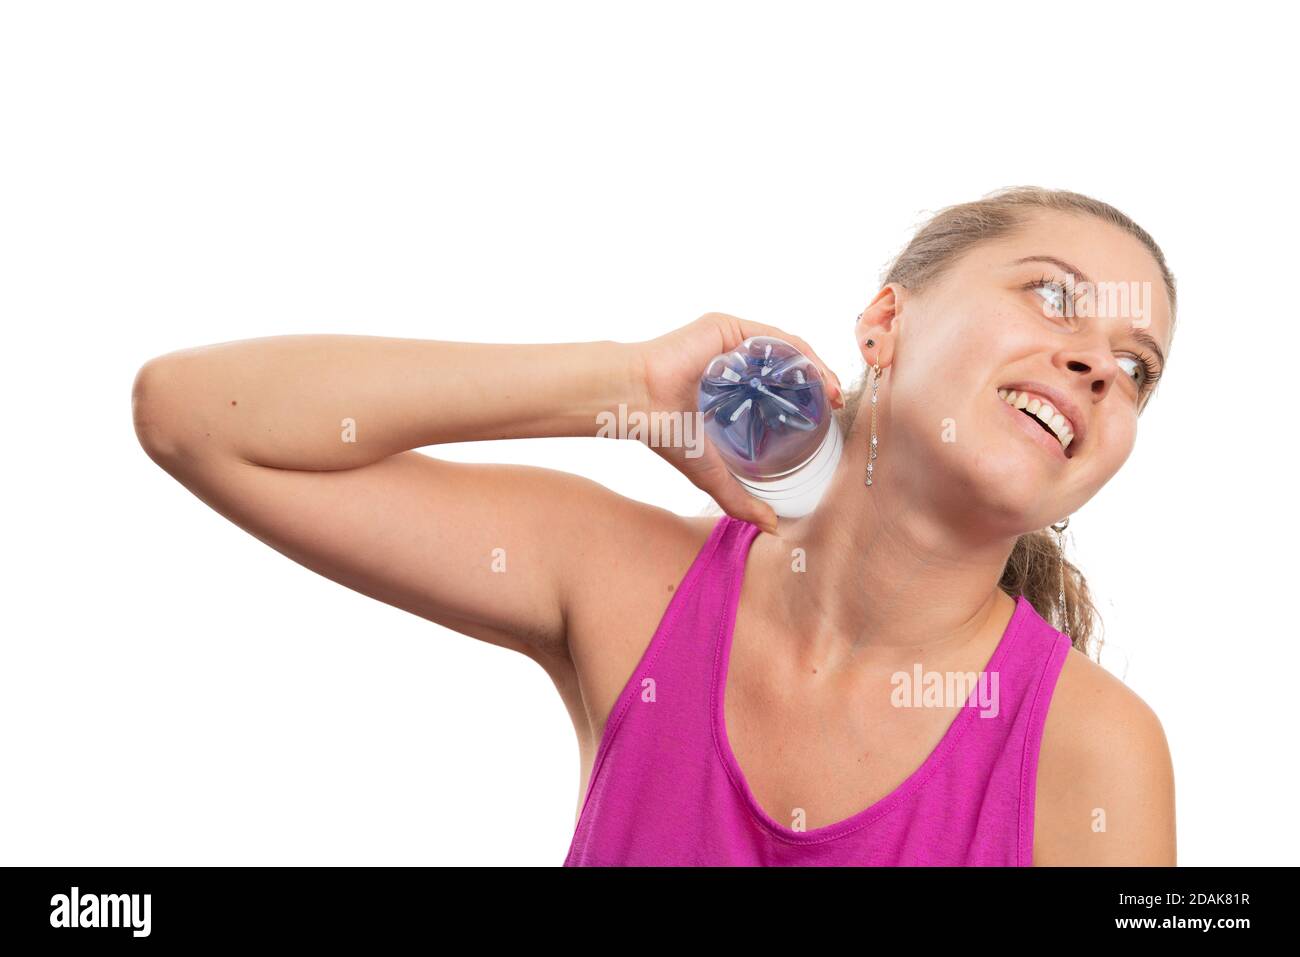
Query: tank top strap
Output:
(677,668)
(657,746)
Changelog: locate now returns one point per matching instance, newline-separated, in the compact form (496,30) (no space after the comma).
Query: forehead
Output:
(1102,252)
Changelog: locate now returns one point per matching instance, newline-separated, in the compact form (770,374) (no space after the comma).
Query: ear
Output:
(879,322)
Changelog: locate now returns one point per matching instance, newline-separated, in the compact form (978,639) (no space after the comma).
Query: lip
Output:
(1061,402)
(1037,434)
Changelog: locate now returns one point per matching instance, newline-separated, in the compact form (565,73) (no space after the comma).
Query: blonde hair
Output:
(1034,567)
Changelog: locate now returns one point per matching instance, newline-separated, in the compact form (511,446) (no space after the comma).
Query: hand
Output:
(673,364)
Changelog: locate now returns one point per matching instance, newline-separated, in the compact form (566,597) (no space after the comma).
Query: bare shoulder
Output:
(1105,790)
(1087,696)
(630,572)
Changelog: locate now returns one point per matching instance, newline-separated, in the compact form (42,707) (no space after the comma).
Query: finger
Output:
(740,504)
(827,371)
(732,498)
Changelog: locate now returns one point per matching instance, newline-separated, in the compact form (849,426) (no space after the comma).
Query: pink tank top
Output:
(666,789)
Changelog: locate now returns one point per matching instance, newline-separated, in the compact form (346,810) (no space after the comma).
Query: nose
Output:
(1096,369)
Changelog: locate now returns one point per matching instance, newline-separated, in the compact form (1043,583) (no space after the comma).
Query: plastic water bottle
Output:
(764,407)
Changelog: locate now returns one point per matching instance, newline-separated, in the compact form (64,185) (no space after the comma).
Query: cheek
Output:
(945,364)
(971,349)
(939,423)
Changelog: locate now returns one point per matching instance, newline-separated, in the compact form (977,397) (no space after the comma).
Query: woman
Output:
(747,690)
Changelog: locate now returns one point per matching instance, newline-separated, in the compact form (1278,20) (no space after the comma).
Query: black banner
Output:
(137,907)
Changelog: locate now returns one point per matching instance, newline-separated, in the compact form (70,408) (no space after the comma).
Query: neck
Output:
(883,575)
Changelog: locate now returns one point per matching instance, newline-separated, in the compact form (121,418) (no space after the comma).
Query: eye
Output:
(1142,371)
(1052,293)
(1059,299)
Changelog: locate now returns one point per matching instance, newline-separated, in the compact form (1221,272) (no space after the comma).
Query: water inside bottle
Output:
(764,407)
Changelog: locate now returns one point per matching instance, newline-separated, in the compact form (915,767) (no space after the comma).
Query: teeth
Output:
(1041,410)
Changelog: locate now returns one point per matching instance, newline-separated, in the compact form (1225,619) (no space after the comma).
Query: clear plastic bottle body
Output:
(764,407)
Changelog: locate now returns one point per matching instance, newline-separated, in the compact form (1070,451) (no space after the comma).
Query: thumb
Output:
(738,503)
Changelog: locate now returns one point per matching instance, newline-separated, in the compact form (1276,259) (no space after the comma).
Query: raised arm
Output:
(305,442)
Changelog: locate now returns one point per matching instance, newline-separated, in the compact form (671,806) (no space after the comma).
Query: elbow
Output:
(157,411)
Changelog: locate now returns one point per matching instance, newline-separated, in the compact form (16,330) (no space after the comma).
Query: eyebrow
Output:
(1138,335)
(1058,263)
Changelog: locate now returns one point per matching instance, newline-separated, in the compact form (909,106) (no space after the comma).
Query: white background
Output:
(172,691)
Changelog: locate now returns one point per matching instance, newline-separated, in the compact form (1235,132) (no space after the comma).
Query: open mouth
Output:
(1042,412)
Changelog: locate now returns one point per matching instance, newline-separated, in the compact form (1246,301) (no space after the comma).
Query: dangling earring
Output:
(875,384)
(1060,528)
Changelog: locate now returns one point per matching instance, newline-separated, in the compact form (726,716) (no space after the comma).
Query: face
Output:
(1067,311)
